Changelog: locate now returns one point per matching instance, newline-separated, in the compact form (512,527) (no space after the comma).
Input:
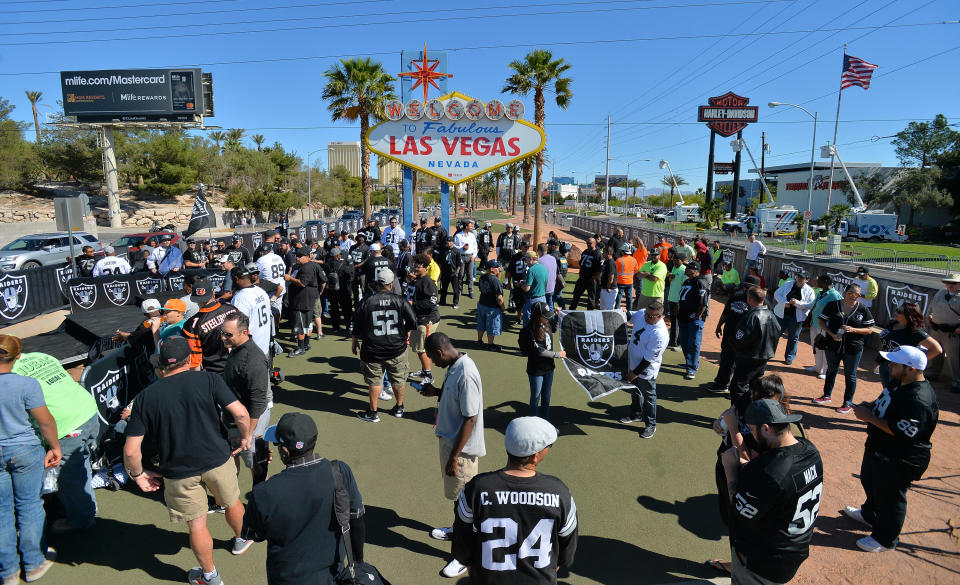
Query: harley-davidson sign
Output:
(455,138)
(727,114)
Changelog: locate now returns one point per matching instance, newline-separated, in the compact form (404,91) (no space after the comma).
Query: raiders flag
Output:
(200,218)
(596,346)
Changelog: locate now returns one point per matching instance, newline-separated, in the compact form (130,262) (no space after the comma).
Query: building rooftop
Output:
(817,165)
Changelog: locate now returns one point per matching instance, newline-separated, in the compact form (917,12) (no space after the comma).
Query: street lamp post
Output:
(813,148)
(666,164)
(625,196)
(310,172)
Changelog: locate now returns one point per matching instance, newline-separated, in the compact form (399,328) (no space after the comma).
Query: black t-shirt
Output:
(777,500)
(311,275)
(590,262)
(891,339)
(490,288)
(425,302)
(694,294)
(358,254)
(609,268)
(373,267)
(515,530)
(194,256)
(835,319)
(289,258)
(202,331)
(795,293)
(383,322)
(293,512)
(735,308)
(239,256)
(912,412)
(247,373)
(539,354)
(180,415)
(268,287)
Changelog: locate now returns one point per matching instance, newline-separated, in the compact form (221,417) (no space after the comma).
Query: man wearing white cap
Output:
(944,319)
(897,451)
(111,264)
(521,506)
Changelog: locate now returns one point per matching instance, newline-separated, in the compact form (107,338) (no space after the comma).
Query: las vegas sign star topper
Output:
(454,138)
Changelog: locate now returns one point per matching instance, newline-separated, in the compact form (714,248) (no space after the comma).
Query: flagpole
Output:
(836,126)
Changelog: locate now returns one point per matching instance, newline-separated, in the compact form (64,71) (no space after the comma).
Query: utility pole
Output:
(763,159)
(110,174)
(736,180)
(709,197)
(606,190)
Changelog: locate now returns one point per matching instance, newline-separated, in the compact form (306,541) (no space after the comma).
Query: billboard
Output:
(133,94)
(615,180)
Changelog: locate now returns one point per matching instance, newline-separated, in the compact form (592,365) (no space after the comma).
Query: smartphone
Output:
(416,386)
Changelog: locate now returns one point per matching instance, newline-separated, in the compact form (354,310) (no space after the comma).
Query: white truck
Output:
(874,225)
(680,213)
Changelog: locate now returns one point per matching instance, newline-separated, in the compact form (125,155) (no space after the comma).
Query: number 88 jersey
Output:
(515,530)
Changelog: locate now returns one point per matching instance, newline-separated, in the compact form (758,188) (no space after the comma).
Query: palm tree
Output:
(358,89)
(258,140)
(512,171)
(218,137)
(539,72)
(635,183)
(34,97)
(498,176)
(234,136)
(670,181)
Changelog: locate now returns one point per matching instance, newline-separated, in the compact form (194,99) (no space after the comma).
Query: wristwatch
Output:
(134,476)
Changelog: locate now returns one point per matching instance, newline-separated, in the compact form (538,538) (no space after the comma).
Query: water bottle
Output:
(50,478)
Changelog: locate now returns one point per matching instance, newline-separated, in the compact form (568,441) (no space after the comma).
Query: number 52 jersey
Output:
(515,530)
(383,322)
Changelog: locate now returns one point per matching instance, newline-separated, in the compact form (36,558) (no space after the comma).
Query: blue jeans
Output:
(625,290)
(540,387)
(73,483)
(528,306)
(851,361)
(549,299)
(21,509)
(792,327)
(690,335)
(747,266)
(558,299)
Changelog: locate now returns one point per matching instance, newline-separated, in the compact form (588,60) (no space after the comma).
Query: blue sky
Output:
(647,64)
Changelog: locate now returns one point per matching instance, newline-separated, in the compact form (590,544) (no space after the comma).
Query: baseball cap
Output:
(301,252)
(284,240)
(509,225)
(953,277)
(237,238)
(907,355)
(295,431)
(174,305)
(239,271)
(527,435)
(384,276)
(693,266)
(863,270)
(202,290)
(751,280)
(335,251)
(173,350)
(768,411)
(108,250)
(166,238)
(374,246)
(150,305)
(191,241)
(265,249)
(493,264)
(252,268)
(437,219)
(531,254)
(803,274)
(524,244)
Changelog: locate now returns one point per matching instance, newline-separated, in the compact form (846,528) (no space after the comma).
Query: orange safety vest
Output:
(626,267)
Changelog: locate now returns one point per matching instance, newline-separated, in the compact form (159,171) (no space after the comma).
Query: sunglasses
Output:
(652,316)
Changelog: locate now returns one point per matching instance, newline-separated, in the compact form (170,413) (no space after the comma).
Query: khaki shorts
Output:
(419,336)
(187,498)
(396,368)
(318,306)
(467,467)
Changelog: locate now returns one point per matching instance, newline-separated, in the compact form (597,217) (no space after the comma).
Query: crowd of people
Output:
(208,412)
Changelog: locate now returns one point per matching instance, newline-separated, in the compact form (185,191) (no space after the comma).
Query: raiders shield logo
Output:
(728,257)
(118,292)
(84,295)
(64,273)
(216,281)
(149,286)
(175,282)
(897,295)
(313,231)
(594,349)
(257,240)
(110,393)
(791,268)
(840,280)
(14,291)
(303,233)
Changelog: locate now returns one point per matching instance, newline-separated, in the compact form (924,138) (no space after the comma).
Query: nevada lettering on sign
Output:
(455,138)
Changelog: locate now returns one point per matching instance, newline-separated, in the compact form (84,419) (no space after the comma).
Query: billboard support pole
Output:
(408,196)
(110,176)
(445,205)
(709,196)
(736,180)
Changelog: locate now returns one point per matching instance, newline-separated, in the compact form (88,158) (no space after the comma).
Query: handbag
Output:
(826,343)
(354,573)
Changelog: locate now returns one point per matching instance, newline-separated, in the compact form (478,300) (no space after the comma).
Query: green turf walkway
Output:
(647,507)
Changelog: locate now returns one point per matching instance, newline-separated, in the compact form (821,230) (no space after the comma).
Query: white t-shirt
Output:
(392,236)
(272,268)
(255,304)
(111,265)
(755,249)
(647,342)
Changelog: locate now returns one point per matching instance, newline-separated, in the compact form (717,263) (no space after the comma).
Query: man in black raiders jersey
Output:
(590,265)
(424,237)
(517,526)
(775,497)
(358,255)
(238,253)
(897,452)
(726,331)
(85,262)
(374,264)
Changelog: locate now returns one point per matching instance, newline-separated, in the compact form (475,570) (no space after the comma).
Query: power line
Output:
(76,8)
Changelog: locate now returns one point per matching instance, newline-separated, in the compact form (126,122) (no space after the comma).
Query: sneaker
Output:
(385,395)
(453,569)
(61,526)
(823,399)
(787,362)
(216,509)
(856,514)
(35,574)
(417,374)
(689,375)
(397,411)
(845,409)
(369,416)
(822,376)
(674,348)
(718,389)
(647,433)
(445,533)
(297,352)
(869,544)
(630,419)
(428,379)
(240,545)
(195,577)
(456,307)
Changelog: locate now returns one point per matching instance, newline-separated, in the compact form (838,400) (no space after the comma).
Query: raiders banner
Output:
(116,379)
(200,217)
(596,346)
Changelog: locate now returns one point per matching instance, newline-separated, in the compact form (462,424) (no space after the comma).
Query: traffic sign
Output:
(808,215)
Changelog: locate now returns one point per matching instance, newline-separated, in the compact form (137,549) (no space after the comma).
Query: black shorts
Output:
(302,321)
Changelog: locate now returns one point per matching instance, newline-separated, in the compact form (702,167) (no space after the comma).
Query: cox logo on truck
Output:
(875,229)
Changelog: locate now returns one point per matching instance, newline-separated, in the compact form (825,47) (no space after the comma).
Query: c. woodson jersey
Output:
(253,302)
(776,503)
(272,268)
(515,530)
(111,265)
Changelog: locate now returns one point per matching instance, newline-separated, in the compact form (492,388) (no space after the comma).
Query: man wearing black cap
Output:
(756,339)
(692,311)
(294,510)
(735,307)
(238,253)
(193,258)
(794,298)
(522,505)
(218,255)
(358,256)
(202,331)
(775,496)
(305,285)
(179,415)
(338,289)
(868,286)
(484,243)
(440,236)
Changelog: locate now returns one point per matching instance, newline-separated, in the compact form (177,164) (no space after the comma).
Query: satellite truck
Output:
(874,225)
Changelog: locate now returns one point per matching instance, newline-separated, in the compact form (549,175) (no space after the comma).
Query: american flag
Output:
(856,72)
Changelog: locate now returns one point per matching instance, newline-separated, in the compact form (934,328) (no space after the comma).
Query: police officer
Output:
(944,319)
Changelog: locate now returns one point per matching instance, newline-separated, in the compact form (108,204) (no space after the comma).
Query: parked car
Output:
(34,251)
(133,242)
(352,214)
